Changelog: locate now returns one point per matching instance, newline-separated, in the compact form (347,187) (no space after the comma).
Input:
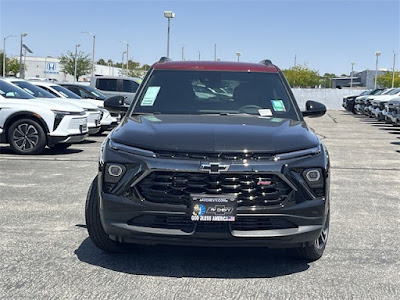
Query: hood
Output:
(97,103)
(214,133)
(55,104)
(78,102)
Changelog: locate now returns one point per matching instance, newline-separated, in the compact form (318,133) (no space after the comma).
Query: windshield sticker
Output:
(278,105)
(265,112)
(150,96)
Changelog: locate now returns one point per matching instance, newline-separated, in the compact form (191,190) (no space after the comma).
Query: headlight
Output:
(314,178)
(70,113)
(114,172)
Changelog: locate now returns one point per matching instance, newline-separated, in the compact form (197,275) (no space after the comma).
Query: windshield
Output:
(8,90)
(365,93)
(394,91)
(99,95)
(33,89)
(216,92)
(65,92)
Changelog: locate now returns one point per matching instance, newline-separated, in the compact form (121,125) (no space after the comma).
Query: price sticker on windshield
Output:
(278,105)
(150,96)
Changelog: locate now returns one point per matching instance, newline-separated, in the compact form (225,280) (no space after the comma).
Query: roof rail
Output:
(267,62)
(164,59)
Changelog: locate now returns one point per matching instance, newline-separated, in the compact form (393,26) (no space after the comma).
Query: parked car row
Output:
(36,114)
(382,104)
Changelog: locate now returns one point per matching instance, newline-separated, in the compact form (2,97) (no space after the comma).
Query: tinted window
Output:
(33,89)
(99,95)
(129,86)
(65,92)
(8,90)
(49,90)
(215,92)
(105,84)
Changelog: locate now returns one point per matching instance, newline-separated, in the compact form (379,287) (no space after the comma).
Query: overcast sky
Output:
(325,35)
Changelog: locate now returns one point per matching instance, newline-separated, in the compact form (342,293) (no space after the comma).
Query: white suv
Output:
(94,114)
(28,124)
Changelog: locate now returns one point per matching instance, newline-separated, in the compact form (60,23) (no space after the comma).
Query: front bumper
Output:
(71,139)
(129,217)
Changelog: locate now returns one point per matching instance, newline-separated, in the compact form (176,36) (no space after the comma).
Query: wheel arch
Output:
(24,115)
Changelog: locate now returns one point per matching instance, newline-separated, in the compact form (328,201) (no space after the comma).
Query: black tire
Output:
(62,146)
(26,136)
(95,229)
(316,250)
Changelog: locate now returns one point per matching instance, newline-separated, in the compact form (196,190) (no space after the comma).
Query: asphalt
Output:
(45,251)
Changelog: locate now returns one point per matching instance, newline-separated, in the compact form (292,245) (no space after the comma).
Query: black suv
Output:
(212,154)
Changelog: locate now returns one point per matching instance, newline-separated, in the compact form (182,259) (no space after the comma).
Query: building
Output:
(360,79)
(49,68)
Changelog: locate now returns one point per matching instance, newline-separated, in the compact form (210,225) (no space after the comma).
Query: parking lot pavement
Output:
(46,253)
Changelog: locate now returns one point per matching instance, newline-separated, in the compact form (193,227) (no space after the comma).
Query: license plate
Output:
(213,208)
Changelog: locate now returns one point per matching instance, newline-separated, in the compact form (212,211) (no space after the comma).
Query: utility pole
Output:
(215,52)
(351,75)
(295,58)
(76,61)
(199,55)
(20,55)
(183,53)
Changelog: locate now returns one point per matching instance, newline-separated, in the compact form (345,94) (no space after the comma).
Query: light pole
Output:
(127,57)
(122,64)
(20,54)
(215,52)
(76,61)
(238,55)
(351,75)
(169,15)
(377,53)
(394,65)
(199,55)
(94,46)
(183,52)
(4,55)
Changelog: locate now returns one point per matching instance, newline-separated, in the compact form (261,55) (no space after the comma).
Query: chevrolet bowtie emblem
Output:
(214,168)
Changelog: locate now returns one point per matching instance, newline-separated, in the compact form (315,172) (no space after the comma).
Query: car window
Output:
(65,92)
(105,84)
(33,89)
(49,90)
(96,93)
(8,90)
(129,86)
(216,92)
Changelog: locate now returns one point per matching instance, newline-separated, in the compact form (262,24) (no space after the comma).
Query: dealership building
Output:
(364,79)
(49,68)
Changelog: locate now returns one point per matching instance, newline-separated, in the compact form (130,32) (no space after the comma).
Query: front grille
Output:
(185,224)
(75,123)
(251,190)
(210,156)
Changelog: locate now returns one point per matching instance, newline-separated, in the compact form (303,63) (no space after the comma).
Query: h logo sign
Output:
(51,67)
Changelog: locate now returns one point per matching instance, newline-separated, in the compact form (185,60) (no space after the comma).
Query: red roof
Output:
(215,66)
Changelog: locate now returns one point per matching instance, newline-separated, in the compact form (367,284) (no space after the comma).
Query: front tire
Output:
(316,250)
(27,137)
(95,229)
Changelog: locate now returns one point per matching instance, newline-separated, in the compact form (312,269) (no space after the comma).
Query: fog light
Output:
(314,178)
(115,170)
(313,175)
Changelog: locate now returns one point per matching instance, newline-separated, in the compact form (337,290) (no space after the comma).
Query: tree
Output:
(67,63)
(101,62)
(385,80)
(326,80)
(302,76)
(13,66)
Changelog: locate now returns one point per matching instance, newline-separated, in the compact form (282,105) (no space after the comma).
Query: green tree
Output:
(83,65)
(302,76)
(101,62)
(13,66)
(326,80)
(385,80)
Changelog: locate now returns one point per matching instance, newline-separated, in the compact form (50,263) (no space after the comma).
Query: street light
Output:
(4,55)
(76,61)
(127,57)
(238,55)
(94,46)
(20,54)
(122,64)
(351,75)
(169,15)
(377,53)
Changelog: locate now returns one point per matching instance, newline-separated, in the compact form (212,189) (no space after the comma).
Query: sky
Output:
(324,35)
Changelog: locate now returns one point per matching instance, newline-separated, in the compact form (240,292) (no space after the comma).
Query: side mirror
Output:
(314,109)
(116,104)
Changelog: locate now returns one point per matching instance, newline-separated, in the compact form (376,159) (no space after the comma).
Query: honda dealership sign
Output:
(51,68)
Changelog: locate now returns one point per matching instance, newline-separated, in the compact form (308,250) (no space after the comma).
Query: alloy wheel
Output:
(25,136)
